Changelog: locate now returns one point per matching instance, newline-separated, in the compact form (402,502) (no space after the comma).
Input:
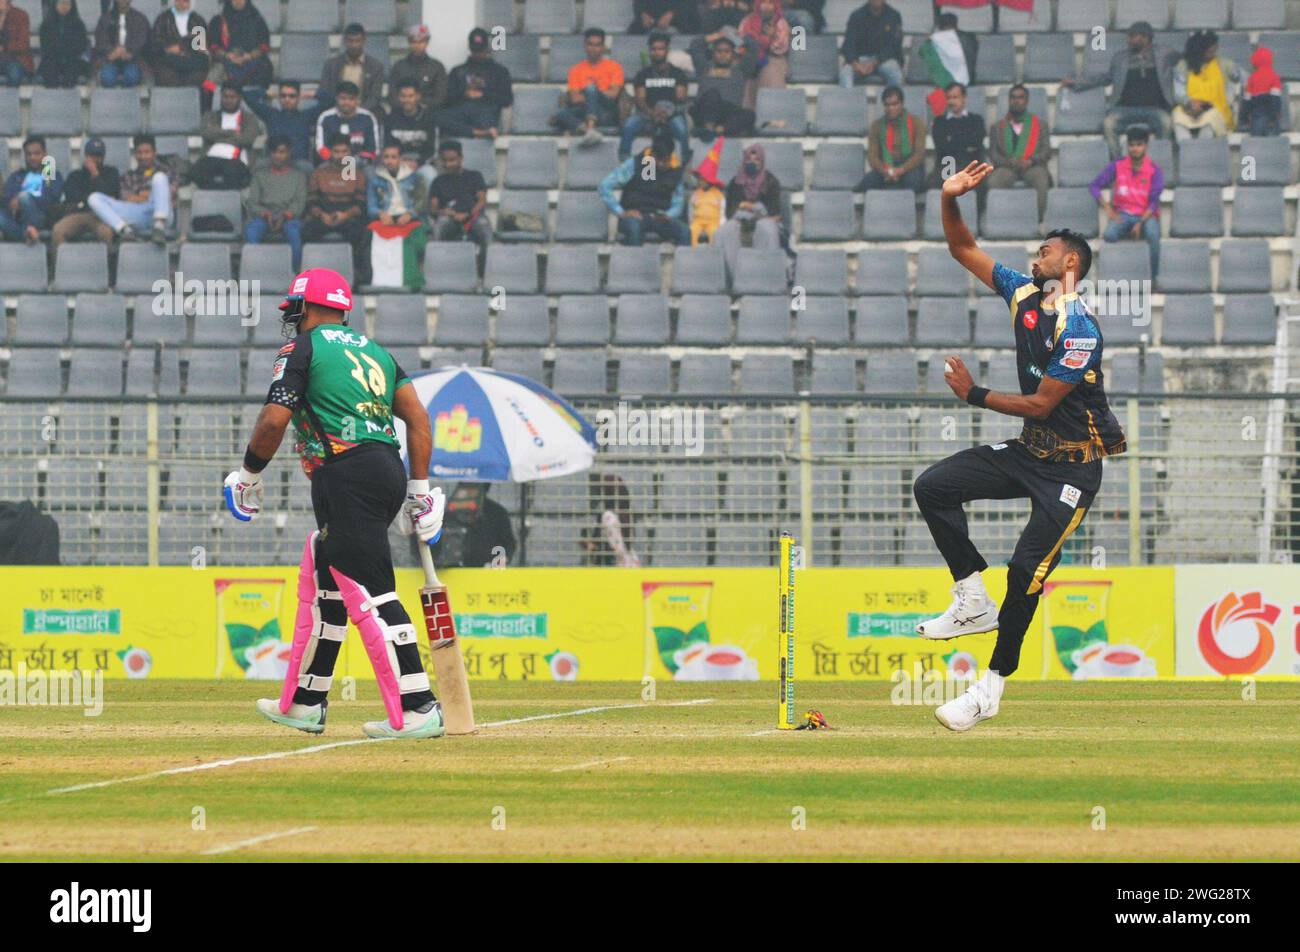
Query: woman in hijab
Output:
(239,42)
(768,31)
(64,42)
(176,60)
(1206,89)
(753,209)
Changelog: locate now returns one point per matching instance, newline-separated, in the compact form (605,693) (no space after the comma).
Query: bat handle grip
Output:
(426,560)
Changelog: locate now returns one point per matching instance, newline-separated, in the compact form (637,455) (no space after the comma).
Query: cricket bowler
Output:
(341,389)
(1055,462)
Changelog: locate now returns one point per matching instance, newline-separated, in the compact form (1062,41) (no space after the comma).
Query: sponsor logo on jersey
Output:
(286,349)
(1075,359)
(1070,495)
(1031,319)
(1080,343)
(278,372)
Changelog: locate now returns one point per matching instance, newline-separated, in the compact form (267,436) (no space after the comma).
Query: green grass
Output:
(1183,771)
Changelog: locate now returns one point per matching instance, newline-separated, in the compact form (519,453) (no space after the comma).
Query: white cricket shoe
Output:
(971,612)
(415,724)
(979,703)
(305,717)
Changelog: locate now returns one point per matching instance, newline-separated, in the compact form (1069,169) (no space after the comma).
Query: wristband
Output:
(976,396)
(417,487)
(253,464)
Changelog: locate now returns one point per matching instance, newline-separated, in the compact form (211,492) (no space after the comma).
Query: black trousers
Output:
(355,499)
(1060,494)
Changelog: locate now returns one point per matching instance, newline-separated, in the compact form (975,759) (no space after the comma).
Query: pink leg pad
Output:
(304,623)
(357,601)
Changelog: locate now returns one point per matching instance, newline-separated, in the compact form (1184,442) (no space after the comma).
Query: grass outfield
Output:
(1184,771)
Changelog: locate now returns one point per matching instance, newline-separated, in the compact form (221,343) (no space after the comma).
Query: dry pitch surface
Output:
(590,771)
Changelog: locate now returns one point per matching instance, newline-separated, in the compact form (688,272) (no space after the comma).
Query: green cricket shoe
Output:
(424,722)
(305,717)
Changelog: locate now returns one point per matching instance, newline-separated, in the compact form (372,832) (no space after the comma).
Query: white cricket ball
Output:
(947,367)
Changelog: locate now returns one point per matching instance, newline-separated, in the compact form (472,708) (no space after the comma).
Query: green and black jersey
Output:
(340,385)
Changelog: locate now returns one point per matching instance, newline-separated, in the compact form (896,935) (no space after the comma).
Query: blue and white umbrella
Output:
(495,427)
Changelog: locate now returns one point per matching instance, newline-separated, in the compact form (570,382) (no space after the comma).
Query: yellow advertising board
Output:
(588,624)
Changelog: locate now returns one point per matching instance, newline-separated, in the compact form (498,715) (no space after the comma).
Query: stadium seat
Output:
(149,327)
(613,16)
(522,56)
(881,271)
(633,270)
(579,372)
(1249,319)
(213,372)
(512,267)
(767,374)
(566,50)
(760,271)
(525,362)
(1286,53)
(532,163)
(939,275)
(1264,160)
(582,320)
(551,16)
(834,373)
(333,255)
(992,323)
(462,321)
(1203,162)
(1047,58)
(1259,211)
(494,13)
(1188,320)
(893,373)
(837,13)
(882,321)
(455,357)
(302,55)
(22,268)
(267,331)
(41,319)
(1038,19)
(450,266)
(204,262)
(528,202)
(824,321)
(100,319)
(699,270)
(313,16)
(1185,267)
(821,272)
(35,373)
(377,16)
(1201,15)
(942,322)
(1072,208)
(784,160)
(10,117)
(1079,161)
(139,265)
(888,215)
(271,265)
(704,374)
(645,374)
(629,51)
(642,319)
(781,112)
(572,270)
(818,61)
(79,267)
(1258,14)
(115,112)
(1244,266)
(840,112)
(1002,374)
(525,321)
(1080,16)
(1198,213)
(1155,12)
(480,156)
(704,319)
(55,112)
(140,372)
(1079,113)
(997,58)
(1095,62)
(581,216)
(401,319)
(932,227)
(588,166)
(763,319)
(839,165)
(217,203)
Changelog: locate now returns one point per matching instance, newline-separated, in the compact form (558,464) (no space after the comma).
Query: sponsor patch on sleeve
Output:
(278,372)
(286,349)
(1070,495)
(1075,359)
(1080,343)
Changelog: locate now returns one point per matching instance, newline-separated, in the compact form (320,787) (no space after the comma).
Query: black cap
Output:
(1142,28)
(478,39)
(95,147)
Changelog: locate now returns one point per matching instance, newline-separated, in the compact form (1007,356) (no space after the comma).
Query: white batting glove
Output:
(422,512)
(243,492)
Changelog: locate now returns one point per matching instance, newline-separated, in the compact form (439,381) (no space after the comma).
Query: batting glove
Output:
(423,510)
(243,491)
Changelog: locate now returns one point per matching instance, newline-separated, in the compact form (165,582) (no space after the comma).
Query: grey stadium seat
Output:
(493,13)
(513,267)
(41,319)
(313,16)
(115,111)
(206,262)
(642,319)
(889,215)
(893,373)
(1036,20)
(767,373)
(301,56)
(992,323)
(100,320)
(95,373)
(270,265)
(1047,58)
(941,322)
(882,321)
(582,319)
(1286,53)
(785,161)
(1080,16)
(581,216)
(939,275)
(822,272)
(633,270)
(213,373)
(840,112)
(932,223)
(462,321)
(824,319)
(613,16)
(525,201)
(699,270)
(522,56)
(781,112)
(1155,12)
(763,319)
(532,163)
(997,59)
(525,321)
(1203,162)
(579,372)
(56,112)
(760,271)
(333,255)
(881,271)
(480,156)
(818,61)
(1243,266)
(525,362)
(1198,213)
(1267,159)
(377,16)
(223,203)
(839,165)
(10,117)
(1079,160)
(1258,211)
(704,319)
(645,374)
(704,374)
(80,267)
(1080,113)
(450,266)
(572,270)
(1201,15)
(1185,267)
(918,15)
(148,328)
(1249,319)
(1072,208)
(588,166)
(566,50)
(1162,153)
(402,319)
(36,374)
(139,265)
(1258,14)
(834,373)
(1124,261)
(1188,320)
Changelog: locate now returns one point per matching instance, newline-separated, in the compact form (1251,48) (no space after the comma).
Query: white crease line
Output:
(591,763)
(231,847)
(770,730)
(595,710)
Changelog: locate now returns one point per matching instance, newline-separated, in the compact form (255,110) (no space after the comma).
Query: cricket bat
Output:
(444,652)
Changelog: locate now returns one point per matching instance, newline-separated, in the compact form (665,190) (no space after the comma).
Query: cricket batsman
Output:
(341,389)
(1055,462)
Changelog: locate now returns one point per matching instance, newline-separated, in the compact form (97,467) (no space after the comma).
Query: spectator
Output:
(753,209)
(715,15)
(722,80)
(427,74)
(228,136)
(663,16)
(958,137)
(895,147)
(31,195)
(1205,88)
(660,88)
(394,194)
(708,205)
(178,60)
(1141,78)
(477,91)
(356,66)
(476,532)
(148,196)
(609,541)
(1135,182)
(277,198)
(239,42)
(458,201)
(394,197)
(1020,147)
(594,88)
(336,204)
(349,119)
(288,117)
(410,126)
(651,195)
(806,14)
(1262,107)
(15,45)
(121,41)
(64,45)
(949,56)
(77,219)
(768,32)
(873,46)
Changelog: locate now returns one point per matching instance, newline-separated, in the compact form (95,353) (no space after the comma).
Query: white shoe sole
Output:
(306,727)
(991,625)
